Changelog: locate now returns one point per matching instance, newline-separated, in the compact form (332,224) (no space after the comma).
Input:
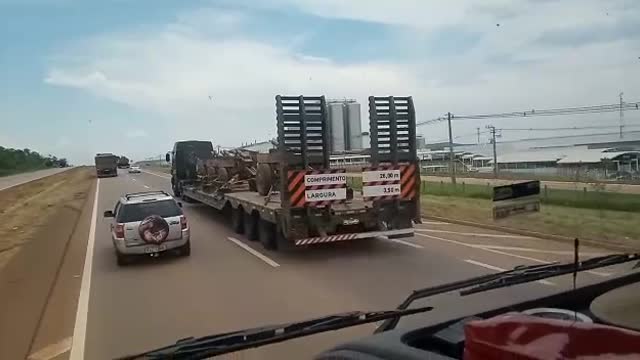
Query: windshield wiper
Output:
(213,345)
(525,274)
(518,275)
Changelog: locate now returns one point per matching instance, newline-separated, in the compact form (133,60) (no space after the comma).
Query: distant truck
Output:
(123,162)
(290,197)
(106,165)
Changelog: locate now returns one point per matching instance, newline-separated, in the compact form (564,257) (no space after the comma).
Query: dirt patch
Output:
(25,208)
(40,219)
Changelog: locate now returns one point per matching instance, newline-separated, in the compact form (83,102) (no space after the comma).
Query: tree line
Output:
(14,161)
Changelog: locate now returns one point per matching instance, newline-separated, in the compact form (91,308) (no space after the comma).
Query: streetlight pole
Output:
(452,167)
(492,129)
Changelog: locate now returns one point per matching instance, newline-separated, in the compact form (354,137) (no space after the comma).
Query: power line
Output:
(594,109)
(569,128)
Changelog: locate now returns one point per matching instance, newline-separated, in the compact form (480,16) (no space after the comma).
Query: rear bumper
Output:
(345,237)
(142,249)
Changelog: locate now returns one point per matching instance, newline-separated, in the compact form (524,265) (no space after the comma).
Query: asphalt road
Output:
(229,283)
(7,182)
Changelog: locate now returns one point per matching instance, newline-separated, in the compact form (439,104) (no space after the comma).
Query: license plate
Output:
(154,249)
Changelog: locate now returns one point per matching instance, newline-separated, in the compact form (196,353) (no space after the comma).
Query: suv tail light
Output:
(183,221)
(119,231)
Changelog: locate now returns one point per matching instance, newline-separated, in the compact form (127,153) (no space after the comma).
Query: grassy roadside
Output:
(614,227)
(594,215)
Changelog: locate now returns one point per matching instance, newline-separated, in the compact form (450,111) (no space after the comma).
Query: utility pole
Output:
(452,167)
(621,115)
(478,142)
(492,130)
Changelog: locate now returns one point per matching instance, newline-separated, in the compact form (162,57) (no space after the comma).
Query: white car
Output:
(134,170)
(148,223)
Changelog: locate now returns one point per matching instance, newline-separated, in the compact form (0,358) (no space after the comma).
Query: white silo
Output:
(353,126)
(336,126)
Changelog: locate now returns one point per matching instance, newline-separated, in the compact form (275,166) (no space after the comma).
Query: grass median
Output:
(592,214)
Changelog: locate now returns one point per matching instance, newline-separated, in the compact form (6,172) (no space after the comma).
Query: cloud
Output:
(136,133)
(170,71)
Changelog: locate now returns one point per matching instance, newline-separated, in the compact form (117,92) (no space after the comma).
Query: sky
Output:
(79,77)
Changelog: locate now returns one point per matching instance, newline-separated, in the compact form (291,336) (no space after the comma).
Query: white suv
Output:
(148,223)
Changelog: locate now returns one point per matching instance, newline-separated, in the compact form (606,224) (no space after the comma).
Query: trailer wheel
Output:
(176,189)
(267,235)
(237,221)
(251,227)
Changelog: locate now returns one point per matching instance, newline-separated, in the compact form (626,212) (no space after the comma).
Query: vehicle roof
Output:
(145,196)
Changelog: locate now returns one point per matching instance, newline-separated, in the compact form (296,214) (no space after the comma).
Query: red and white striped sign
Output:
(389,182)
(317,187)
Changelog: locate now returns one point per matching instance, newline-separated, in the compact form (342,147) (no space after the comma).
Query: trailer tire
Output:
(251,227)
(267,234)
(237,220)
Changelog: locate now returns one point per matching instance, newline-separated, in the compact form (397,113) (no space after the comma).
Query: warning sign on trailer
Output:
(325,179)
(381,175)
(325,194)
(381,190)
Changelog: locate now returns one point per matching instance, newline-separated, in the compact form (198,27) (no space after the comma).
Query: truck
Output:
(106,165)
(123,162)
(290,197)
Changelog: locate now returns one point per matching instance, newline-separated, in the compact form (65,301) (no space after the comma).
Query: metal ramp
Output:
(392,122)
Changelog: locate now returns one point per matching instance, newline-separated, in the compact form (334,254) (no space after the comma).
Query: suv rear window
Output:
(139,211)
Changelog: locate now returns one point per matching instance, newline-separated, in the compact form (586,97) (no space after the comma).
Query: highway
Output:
(229,283)
(7,182)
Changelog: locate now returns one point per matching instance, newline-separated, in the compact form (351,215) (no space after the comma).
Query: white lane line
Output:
(555,252)
(491,267)
(604,274)
(133,179)
(477,234)
(52,350)
(254,252)
(433,223)
(146,187)
(158,175)
(82,313)
(398,241)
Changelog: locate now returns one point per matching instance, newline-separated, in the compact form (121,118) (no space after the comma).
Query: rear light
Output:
(183,222)
(119,231)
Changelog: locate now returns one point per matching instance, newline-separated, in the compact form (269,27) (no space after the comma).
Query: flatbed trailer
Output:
(308,203)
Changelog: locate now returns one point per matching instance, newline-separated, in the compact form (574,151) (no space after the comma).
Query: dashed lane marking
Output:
(406,243)
(158,175)
(603,274)
(554,252)
(477,234)
(433,223)
(133,179)
(52,350)
(254,252)
(491,267)
(146,187)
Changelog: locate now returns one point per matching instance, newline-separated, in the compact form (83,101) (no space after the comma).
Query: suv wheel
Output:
(185,250)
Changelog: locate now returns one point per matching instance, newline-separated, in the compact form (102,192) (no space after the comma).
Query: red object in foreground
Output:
(522,337)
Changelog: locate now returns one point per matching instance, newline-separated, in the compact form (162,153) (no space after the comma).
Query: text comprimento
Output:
(325,179)
(325,194)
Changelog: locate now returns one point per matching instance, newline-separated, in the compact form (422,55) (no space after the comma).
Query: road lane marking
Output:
(434,223)
(52,350)
(554,252)
(477,234)
(491,267)
(82,313)
(254,252)
(603,274)
(158,175)
(133,179)
(146,187)
(398,241)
